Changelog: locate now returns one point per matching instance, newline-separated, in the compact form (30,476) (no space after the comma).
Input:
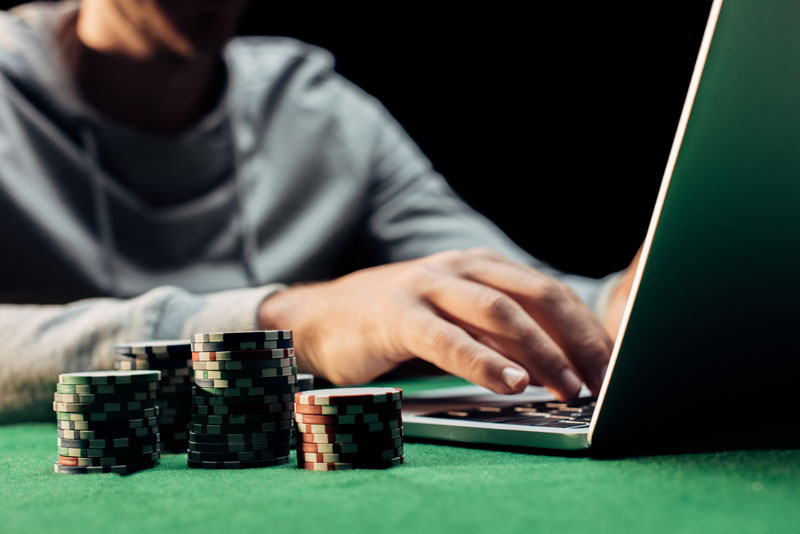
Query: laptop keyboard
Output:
(552,414)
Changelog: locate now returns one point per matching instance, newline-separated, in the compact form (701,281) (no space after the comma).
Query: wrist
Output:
(270,312)
(606,293)
(287,310)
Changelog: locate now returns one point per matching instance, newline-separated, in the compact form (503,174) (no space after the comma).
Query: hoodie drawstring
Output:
(247,232)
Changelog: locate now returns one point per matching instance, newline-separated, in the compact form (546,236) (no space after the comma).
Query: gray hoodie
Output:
(112,234)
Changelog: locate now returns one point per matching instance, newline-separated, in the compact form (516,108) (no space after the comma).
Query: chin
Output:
(202,27)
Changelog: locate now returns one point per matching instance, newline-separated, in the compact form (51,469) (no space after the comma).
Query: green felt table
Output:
(439,489)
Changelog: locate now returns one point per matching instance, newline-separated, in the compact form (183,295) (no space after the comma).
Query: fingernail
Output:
(513,377)
(569,382)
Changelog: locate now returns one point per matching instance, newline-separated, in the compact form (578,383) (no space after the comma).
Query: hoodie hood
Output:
(160,170)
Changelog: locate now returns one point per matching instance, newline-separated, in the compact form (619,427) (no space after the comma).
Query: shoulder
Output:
(22,32)
(268,57)
(301,75)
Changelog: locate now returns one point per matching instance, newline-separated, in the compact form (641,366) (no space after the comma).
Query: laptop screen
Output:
(710,337)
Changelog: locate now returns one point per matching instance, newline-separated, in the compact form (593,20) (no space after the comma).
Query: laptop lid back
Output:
(709,354)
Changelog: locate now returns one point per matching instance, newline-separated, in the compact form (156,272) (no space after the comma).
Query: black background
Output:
(555,122)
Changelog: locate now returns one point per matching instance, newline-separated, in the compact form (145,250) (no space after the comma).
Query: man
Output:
(156,182)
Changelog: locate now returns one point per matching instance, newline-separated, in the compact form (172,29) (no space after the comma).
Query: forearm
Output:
(39,342)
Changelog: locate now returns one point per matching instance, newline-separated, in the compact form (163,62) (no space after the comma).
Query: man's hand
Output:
(473,313)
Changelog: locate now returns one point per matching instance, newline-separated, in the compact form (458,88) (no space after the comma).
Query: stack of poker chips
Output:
(305,382)
(107,421)
(349,428)
(174,360)
(242,399)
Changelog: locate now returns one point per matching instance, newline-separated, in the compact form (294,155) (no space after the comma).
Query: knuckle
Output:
(525,336)
(596,346)
(448,257)
(549,361)
(552,291)
(485,252)
(440,340)
(498,306)
(420,276)
(471,361)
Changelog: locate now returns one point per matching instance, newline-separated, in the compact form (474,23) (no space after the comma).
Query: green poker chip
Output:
(97,378)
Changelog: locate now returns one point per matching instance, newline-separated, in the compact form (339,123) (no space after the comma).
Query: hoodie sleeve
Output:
(39,342)
(413,212)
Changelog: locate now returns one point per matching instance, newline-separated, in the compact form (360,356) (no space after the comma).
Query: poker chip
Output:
(164,349)
(242,355)
(243,418)
(124,469)
(89,398)
(175,380)
(175,372)
(178,411)
(96,378)
(244,392)
(251,428)
(238,446)
(364,437)
(361,456)
(349,409)
(347,419)
(305,382)
(103,407)
(238,464)
(173,359)
(275,435)
(142,459)
(343,466)
(115,451)
(121,434)
(242,409)
(109,427)
(175,421)
(267,372)
(107,421)
(242,404)
(201,401)
(349,428)
(165,366)
(107,416)
(350,448)
(222,365)
(108,443)
(364,428)
(369,396)
(228,337)
(240,456)
(107,389)
(235,346)
(246,382)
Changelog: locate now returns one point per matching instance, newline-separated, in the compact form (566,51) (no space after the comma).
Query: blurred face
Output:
(188,28)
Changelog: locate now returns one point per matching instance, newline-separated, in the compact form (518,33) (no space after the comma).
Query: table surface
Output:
(440,487)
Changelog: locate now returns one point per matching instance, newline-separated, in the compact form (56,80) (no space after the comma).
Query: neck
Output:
(131,81)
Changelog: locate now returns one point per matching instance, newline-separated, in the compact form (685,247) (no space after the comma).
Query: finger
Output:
(452,349)
(555,307)
(492,344)
(483,310)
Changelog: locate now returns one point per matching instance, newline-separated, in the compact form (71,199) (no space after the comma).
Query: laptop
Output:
(708,353)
